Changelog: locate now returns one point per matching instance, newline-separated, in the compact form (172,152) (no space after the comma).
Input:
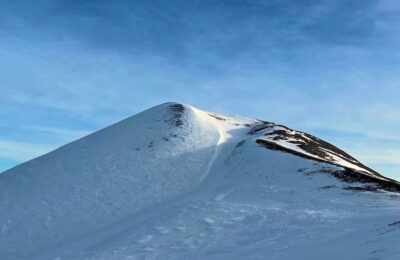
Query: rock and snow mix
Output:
(175,182)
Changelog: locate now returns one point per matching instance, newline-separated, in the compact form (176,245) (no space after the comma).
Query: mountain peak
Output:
(176,181)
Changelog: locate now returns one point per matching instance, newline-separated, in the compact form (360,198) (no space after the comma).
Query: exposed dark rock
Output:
(327,187)
(177,113)
(257,129)
(179,108)
(373,188)
(396,223)
(240,143)
(217,117)
(347,174)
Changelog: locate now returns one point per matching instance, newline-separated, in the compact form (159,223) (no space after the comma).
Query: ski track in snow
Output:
(246,203)
(221,140)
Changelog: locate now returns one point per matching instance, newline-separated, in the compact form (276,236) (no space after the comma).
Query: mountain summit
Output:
(176,182)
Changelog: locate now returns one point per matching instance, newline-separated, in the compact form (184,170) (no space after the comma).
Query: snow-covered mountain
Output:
(176,182)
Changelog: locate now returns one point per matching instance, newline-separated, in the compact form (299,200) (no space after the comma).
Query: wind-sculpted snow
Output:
(175,182)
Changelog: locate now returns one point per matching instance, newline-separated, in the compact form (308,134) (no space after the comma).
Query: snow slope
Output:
(176,182)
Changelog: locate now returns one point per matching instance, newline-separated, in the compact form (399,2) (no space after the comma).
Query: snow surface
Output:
(176,182)
(293,143)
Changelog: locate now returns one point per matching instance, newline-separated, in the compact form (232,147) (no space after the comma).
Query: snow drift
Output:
(175,182)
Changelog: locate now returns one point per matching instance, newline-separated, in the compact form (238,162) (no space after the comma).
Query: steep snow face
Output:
(103,178)
(176,182)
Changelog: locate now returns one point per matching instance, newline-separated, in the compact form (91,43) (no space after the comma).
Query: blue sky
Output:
(330,68)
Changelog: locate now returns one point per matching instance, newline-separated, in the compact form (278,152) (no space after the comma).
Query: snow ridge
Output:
(176,182)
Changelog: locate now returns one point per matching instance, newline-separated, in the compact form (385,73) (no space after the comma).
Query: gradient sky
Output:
(330,68)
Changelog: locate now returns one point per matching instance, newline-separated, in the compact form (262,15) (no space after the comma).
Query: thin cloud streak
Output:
(62,133)
(21,151)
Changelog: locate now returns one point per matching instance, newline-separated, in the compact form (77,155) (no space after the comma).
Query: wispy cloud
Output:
(21,151)
(380,155)
(384,160)
(62,133)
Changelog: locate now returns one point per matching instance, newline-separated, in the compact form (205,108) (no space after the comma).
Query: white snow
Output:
(333,157)
(149,188)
